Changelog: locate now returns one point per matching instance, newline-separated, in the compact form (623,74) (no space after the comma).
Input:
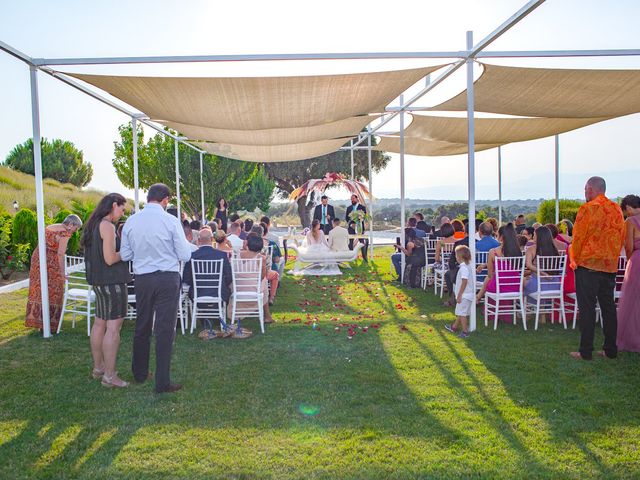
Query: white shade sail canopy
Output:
(273,153)
(549,92)
(347,127)
(259,103)
(427,148)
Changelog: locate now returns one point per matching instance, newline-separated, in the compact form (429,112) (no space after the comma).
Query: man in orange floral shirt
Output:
(598,236)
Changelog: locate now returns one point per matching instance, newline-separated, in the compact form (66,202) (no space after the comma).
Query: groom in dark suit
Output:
(356,205)
(325,214)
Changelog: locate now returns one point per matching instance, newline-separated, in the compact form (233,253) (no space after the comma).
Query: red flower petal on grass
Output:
(403,328)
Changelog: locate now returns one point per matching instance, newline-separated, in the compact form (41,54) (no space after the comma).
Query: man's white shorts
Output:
(463,308)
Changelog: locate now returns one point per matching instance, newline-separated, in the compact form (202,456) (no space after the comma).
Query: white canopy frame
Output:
(464,57)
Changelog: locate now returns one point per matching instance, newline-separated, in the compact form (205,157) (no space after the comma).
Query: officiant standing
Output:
(325,214)
(355,206)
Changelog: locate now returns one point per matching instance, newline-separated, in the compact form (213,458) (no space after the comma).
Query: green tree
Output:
(259,194)
(222,177)
(61,160)
(25,229)
(547,210)
(290,175)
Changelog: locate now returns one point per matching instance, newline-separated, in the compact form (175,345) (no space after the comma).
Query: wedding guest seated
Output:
(248,223)
(413,257)
(277,258)
(206,251)
(255,245)
(522,241)
(418,216)
(487,241)
(423,227)
(213,226)
(234,217)
(218,222)
(413,223)
(270,236)
(272,274)
(189,236)
(234,236)
(560,243)
(443,221)
(528,233)
(338,237)
(494,223)
(566,231)
(446,232)
(520,224)
(351,230)
(536,226)
(458,229)
(222,242)
(544,246)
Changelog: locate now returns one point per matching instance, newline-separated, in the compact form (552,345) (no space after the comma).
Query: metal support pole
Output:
(178,183)
(204,220)
(371,193)
(472,175)
(134,140)
(37,164)
(402,212)
(557,179)
(499,185)
(352,166)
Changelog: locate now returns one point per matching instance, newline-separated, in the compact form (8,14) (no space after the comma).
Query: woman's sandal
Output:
(97,374)
(108,382)
(241,333)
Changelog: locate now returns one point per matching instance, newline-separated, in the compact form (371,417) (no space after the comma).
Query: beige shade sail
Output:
(427,148)
(248,103)
(273,153)
(492,130)
(276,136)
(547,92)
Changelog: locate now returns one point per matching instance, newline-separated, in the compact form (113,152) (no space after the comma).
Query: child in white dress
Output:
(464,292)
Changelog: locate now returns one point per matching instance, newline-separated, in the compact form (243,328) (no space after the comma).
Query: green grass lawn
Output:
(404,400)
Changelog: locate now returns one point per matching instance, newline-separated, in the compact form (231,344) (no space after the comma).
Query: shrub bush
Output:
(12,257)
(568,209)
(25,229)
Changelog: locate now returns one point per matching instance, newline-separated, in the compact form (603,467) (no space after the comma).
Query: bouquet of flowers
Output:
(359,216)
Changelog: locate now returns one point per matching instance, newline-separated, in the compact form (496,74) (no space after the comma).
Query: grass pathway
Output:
(378,389)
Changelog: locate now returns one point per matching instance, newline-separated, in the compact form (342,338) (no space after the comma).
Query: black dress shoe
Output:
(174,387)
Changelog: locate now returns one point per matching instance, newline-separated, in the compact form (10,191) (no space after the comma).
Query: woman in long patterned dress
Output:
(628,337)
(56,237)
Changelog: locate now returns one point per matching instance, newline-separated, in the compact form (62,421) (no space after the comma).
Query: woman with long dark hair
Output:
(509,247)
(109,276)
(543,247)
(221,212)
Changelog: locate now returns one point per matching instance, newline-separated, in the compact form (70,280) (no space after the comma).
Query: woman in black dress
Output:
(108,275)
(221,212)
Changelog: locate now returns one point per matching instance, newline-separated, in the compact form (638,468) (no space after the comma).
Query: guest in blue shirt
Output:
(156,243)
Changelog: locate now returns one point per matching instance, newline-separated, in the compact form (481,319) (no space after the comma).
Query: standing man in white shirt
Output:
(338,237)
(156,243)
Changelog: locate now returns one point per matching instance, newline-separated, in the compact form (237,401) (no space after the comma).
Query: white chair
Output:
(622,267)
(509,274)
(78,294)
(247,298)
(131,295)
(207,274)
(549,296)
(446,249)
(481,259)
(429,255)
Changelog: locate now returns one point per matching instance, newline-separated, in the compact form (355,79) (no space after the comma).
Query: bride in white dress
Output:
(315,242)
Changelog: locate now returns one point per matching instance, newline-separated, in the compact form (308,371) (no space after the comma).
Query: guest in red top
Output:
(598,236)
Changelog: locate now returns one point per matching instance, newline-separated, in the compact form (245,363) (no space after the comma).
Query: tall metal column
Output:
(352,166)
(371,193)
(37,164)
(499,185)
(402,212)
(177,182)
(202,192)
(472,173)
(134,140)
(557,179)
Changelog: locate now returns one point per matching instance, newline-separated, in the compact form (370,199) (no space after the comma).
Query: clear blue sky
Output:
(80,28)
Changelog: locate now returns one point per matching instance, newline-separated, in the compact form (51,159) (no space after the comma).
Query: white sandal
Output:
(108,382)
